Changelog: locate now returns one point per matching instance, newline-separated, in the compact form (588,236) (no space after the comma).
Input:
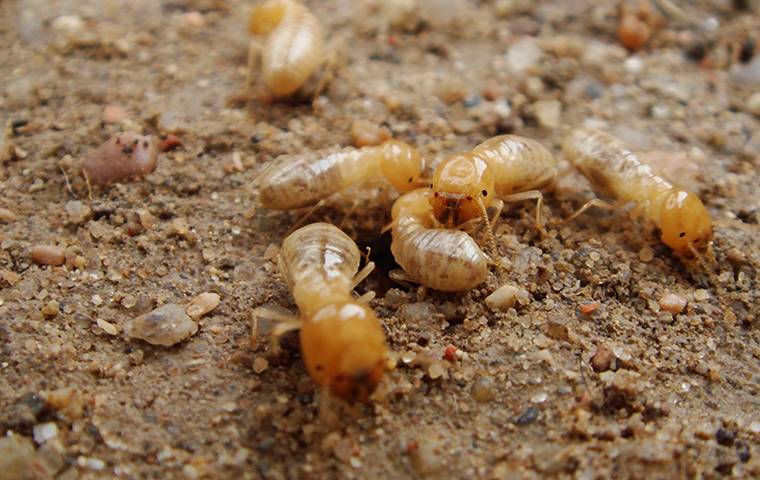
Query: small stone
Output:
(506,296)
(114,114)
(701,295)
(436,370)
(7,216)
(602,358)
(725,437)
(51,309)
(48,255)
(426,457)
(77,211)
(17,459)
(588,308)
(69,28)
(97,300)
(557,329)
(539,397)
(166,325)
(753,104)
(548,113)
(632,32)
(202,304)
(365,133)
(646,254)
(107,327)
(90,463)
(483,389)
(528,416)
(44,432)
(523,54)
(192,19)
(260,364)
(180,227)
(670,302)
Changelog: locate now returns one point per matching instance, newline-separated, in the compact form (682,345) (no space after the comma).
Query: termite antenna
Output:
(68,184)
(703,265)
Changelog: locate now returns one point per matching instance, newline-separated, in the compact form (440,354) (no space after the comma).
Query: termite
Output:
(615,172)
(293,48)
(299,181)
(440,258)
(342,340)
(507,168)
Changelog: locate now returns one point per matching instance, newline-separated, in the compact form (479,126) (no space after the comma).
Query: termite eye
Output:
(682,234)
(484,192)
(411,179)
(436,194)
(469,197)
(318,368)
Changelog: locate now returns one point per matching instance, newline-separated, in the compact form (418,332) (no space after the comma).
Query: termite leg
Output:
(306,215)
(287,323)
(401,277)
(591,203)
(491,236)
(350,212)
(89,185)
(68,184)
(366,297)
(285,271)
(362,274)
(529,195)
(254,52)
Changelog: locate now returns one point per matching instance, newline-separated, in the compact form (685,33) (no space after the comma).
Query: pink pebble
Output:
(122,157)
(114,114)
(670,302)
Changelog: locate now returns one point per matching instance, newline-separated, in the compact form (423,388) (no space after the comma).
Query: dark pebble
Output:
(725,437)
(472,101)
(528,416)
(742,450)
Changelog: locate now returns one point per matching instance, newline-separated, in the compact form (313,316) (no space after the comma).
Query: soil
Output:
(591,379)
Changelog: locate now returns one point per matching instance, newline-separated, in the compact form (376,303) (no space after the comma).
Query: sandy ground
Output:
(672,396)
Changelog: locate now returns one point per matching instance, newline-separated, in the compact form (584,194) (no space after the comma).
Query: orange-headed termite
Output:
(342,340)
(293,48)
(617,173)
(504,168)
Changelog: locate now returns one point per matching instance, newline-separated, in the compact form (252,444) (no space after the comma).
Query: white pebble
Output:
(91,463)
(107,327)
(166,325)
(670,302)
(506,296)
(523,54)
(44,432)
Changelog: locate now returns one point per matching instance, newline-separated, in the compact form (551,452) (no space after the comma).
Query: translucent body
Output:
(443,259)
(294,46)
(299,181)
(497,168)
(616,172)
(342,341)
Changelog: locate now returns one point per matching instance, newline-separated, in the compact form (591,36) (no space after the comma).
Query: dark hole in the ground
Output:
(380,253)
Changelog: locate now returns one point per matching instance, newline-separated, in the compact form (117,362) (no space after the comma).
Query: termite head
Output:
(266,16)
(685,223)
(462,188)
(344,349)
(402,165)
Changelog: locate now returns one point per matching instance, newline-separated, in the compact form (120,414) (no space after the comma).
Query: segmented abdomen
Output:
(613,170)
(518,162)
(322,255)
(293,50)
(447,260)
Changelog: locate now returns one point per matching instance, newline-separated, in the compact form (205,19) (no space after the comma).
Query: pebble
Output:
(44,432)
(202,304)
(673,303)
(77,212)
(506,296)
(7,216)
(426,458)
(646,254)
(725,437)
(523,54)
(90,463)
(260,364)
(107,327)
(632,32)
(51,309)
(365,133)
(529,416)
(602,358)
(48,255)
(435,370)
(121,157)
(557,328)
(166,325)
(69,29)
(753,104)
(701,295)
(548,113)
(17,458)
(483,389)
(114,114)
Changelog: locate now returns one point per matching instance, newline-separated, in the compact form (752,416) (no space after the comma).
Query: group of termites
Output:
(341,338)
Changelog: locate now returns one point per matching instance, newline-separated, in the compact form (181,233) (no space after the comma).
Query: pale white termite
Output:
(303,180)
(293,48)
(342,340)
(443,259)
(616,172)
